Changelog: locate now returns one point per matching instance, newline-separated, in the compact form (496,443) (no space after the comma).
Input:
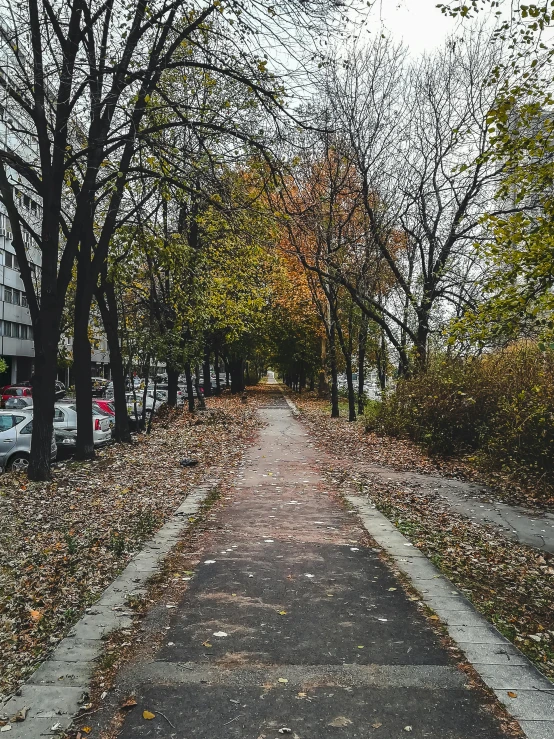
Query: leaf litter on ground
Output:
(63,542)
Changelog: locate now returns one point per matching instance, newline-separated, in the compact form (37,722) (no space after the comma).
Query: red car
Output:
(106,405)
(14,391)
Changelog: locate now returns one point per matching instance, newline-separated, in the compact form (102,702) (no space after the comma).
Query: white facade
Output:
(16,333)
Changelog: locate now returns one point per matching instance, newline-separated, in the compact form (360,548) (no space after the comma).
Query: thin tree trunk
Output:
(332,354)
(144,392)
(216,370)
(190,387)
(207,379)
(107,302)
(362,343)
(82,357)
(172,386)
(199,396)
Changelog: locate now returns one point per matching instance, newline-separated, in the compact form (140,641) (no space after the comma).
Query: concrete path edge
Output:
(53,694)
(527,695)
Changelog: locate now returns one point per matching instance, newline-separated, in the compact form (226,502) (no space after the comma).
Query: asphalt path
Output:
(294,624)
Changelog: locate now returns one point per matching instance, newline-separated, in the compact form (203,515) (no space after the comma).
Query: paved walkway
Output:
(293,624)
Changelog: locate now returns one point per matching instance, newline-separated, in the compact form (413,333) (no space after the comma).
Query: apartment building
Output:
(16,332)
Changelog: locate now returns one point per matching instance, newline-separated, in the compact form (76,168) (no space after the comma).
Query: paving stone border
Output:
(53,692)
(501,666)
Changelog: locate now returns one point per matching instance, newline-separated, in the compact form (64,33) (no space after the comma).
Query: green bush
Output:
(500,407)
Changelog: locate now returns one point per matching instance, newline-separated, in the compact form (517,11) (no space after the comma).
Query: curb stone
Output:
(54,691)
(292,406)
(527,695)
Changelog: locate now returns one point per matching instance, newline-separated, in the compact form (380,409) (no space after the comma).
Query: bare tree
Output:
(78,78)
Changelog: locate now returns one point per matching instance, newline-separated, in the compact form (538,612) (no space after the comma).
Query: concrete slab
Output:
(514,677)
(56,672)
(484,634)
(538,729)
(528,705)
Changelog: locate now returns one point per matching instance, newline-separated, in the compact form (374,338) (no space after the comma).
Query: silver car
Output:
(16,428)
(65,417)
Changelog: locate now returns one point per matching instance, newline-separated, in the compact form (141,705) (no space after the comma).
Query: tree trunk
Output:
(190,388)
(83,385)
(237,375)
(146,374)
(334,374)
(382,363)
(362,343)
(107,302)
(46,352)
(216,370)
(351,392)
(199,396)
(172,383)
(82,355)
(206,372)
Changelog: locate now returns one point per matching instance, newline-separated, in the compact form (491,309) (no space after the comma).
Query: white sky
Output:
(419,23)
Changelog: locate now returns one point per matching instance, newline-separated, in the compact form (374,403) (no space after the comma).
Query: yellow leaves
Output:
(282,680)
(87,729)
(36,615)
(148,715)
(511,694)
(206,644)
(282,613)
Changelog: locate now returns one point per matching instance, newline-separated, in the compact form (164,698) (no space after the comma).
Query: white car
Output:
(65,417)
(15,439)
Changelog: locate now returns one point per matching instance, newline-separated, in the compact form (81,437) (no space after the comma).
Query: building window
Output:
(8,295)
(11,260)
(24,302)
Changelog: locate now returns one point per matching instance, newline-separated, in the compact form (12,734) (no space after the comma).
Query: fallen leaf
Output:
(511,694)
(377,725)
(282,613)
(129,703)
(340,721)
(148,715)
(391,589)
(434,618)
(282,680)
(19,716)
(87,729)
(407,728)
(206,644)
(36,615)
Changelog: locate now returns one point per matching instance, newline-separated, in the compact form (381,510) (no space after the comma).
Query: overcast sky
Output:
(419,23)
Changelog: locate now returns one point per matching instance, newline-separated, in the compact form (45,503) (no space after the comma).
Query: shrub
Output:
(499,406)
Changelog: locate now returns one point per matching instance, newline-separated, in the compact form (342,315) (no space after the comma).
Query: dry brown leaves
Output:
(61,543)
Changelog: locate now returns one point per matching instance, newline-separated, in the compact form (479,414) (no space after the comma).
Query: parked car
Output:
(15,391)
(15,440)
(65,417)
(105,405)
(18,402)
(181,393)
